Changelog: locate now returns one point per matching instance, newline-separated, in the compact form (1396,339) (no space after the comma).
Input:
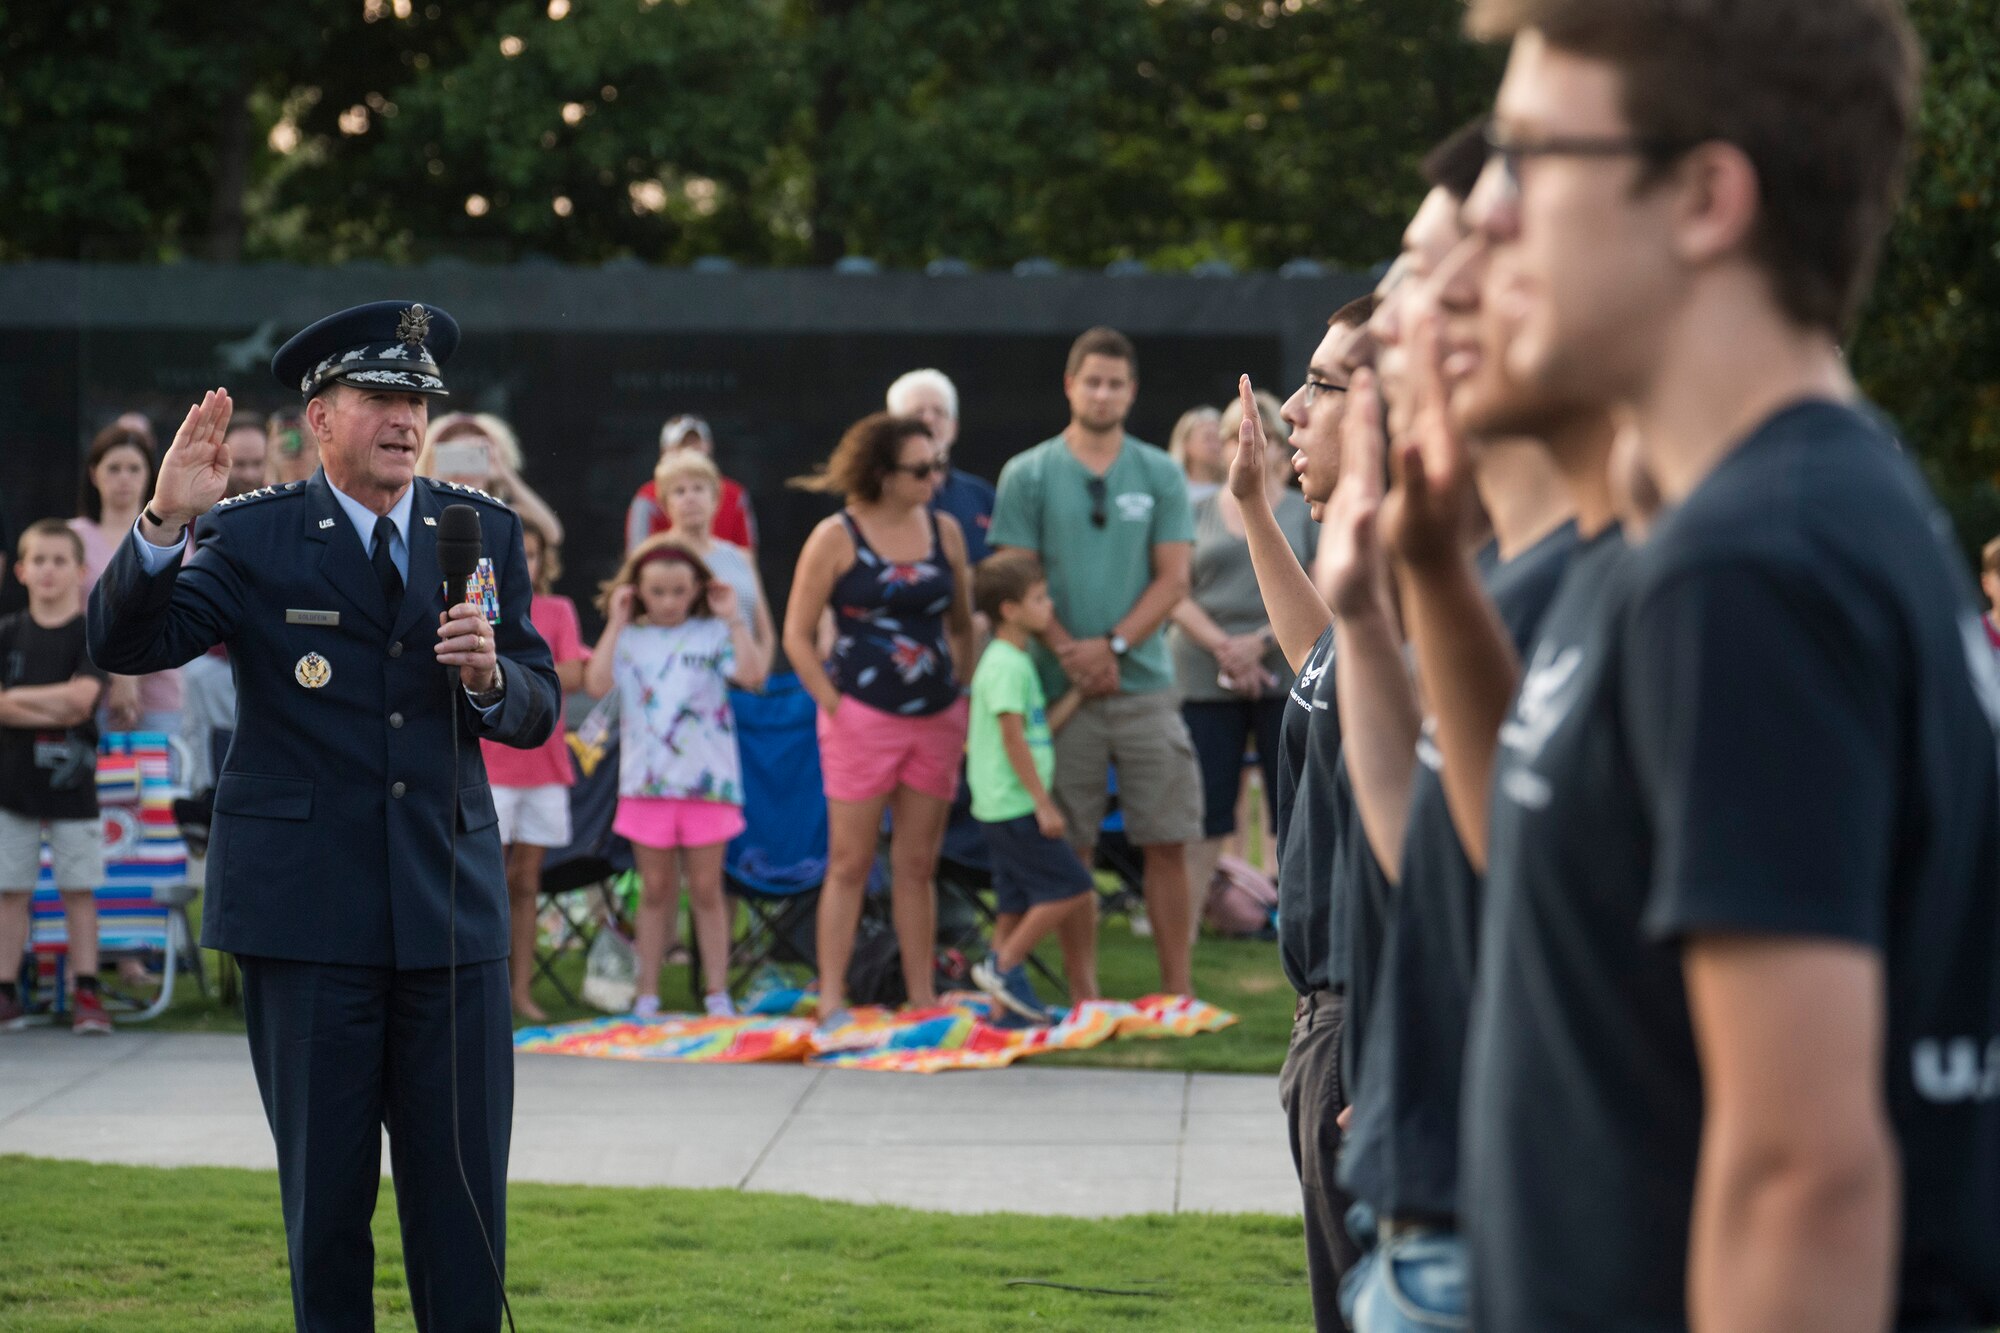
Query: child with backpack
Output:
(1042,887)
(673,643)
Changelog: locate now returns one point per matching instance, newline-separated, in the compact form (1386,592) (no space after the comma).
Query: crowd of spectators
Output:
(885,632)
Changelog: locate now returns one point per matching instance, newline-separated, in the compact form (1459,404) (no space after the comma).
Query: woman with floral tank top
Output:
(892,716)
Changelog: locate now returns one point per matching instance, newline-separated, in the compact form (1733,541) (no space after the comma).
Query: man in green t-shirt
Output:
(1109,517)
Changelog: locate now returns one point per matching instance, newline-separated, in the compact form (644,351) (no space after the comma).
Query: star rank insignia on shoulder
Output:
(261,493)
(458,488)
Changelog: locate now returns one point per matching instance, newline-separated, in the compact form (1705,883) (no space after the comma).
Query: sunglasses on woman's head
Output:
(922,471)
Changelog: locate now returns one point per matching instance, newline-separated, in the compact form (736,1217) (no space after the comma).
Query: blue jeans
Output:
(1414,1282)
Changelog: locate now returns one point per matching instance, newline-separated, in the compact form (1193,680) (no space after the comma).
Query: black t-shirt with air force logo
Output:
(1401,1153)
(1309,750)
(1764,721)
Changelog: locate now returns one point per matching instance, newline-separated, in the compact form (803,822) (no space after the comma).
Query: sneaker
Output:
(1142,925)
(1011,988)
(646,1008)
(89,1014)
(13,1014)
(718,1004)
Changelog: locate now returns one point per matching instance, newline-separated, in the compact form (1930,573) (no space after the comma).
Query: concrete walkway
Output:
(1078,1142)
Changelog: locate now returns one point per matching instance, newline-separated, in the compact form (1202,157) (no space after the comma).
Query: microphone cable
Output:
(452,690)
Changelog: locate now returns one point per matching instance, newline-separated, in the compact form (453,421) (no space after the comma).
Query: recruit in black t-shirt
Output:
(1776,717)
(1401,1154)
(47,772)
(1309,747)
(1360,907)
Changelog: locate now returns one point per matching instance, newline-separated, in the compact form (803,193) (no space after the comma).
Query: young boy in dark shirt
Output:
(48,767)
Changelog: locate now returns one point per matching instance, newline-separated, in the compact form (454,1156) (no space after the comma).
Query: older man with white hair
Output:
(931,397)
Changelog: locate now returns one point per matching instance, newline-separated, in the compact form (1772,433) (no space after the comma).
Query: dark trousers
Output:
(1309,1086)
(340,1053)
(1221,730)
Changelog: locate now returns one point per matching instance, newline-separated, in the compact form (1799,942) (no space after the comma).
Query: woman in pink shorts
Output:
(892,720)
(673,643)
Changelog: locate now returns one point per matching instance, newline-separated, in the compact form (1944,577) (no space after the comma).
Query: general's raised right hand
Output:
(195,472)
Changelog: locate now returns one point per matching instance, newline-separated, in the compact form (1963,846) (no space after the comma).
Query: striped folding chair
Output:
(142,905)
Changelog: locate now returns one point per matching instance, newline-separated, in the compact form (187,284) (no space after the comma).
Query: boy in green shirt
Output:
(1040,883)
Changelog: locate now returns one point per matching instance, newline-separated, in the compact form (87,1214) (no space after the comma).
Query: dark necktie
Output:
(385,566)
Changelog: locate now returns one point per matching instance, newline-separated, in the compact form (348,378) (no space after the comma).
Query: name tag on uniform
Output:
(312,617)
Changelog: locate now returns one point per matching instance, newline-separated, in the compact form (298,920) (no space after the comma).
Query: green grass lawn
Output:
(202,1248)
(1243,976)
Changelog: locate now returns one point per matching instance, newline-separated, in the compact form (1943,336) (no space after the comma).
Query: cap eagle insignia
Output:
(413,326)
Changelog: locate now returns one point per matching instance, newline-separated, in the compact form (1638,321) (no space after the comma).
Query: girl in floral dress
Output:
(673,643)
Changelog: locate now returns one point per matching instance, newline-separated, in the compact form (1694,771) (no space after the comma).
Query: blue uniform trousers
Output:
(342,1051)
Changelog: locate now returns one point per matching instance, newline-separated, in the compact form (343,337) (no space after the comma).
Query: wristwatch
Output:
(1118,645)
(487,698)
(146,512)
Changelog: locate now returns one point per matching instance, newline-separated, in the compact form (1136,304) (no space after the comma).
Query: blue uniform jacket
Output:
(331,836)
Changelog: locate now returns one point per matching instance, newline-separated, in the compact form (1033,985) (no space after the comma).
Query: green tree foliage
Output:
(778,132)
(1928,348)
(766,131)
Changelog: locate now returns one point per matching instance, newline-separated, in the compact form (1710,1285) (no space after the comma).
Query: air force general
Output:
(336,811)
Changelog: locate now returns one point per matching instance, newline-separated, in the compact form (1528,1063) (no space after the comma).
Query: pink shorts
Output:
(865,753)
(669,821)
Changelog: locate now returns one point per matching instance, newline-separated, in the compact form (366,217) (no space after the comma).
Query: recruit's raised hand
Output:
(1248,470)
(1354,556)
(1429,513)
(195,472)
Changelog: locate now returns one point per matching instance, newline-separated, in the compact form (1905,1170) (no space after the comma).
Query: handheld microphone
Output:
(458,546)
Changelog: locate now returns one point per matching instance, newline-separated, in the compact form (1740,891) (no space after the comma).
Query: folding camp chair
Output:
(142,905)
(593,860)
(775,867)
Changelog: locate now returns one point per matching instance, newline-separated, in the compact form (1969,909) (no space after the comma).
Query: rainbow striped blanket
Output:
(956,1034)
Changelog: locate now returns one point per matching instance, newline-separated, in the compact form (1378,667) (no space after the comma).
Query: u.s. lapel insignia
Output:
(325,523)
(312,671)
